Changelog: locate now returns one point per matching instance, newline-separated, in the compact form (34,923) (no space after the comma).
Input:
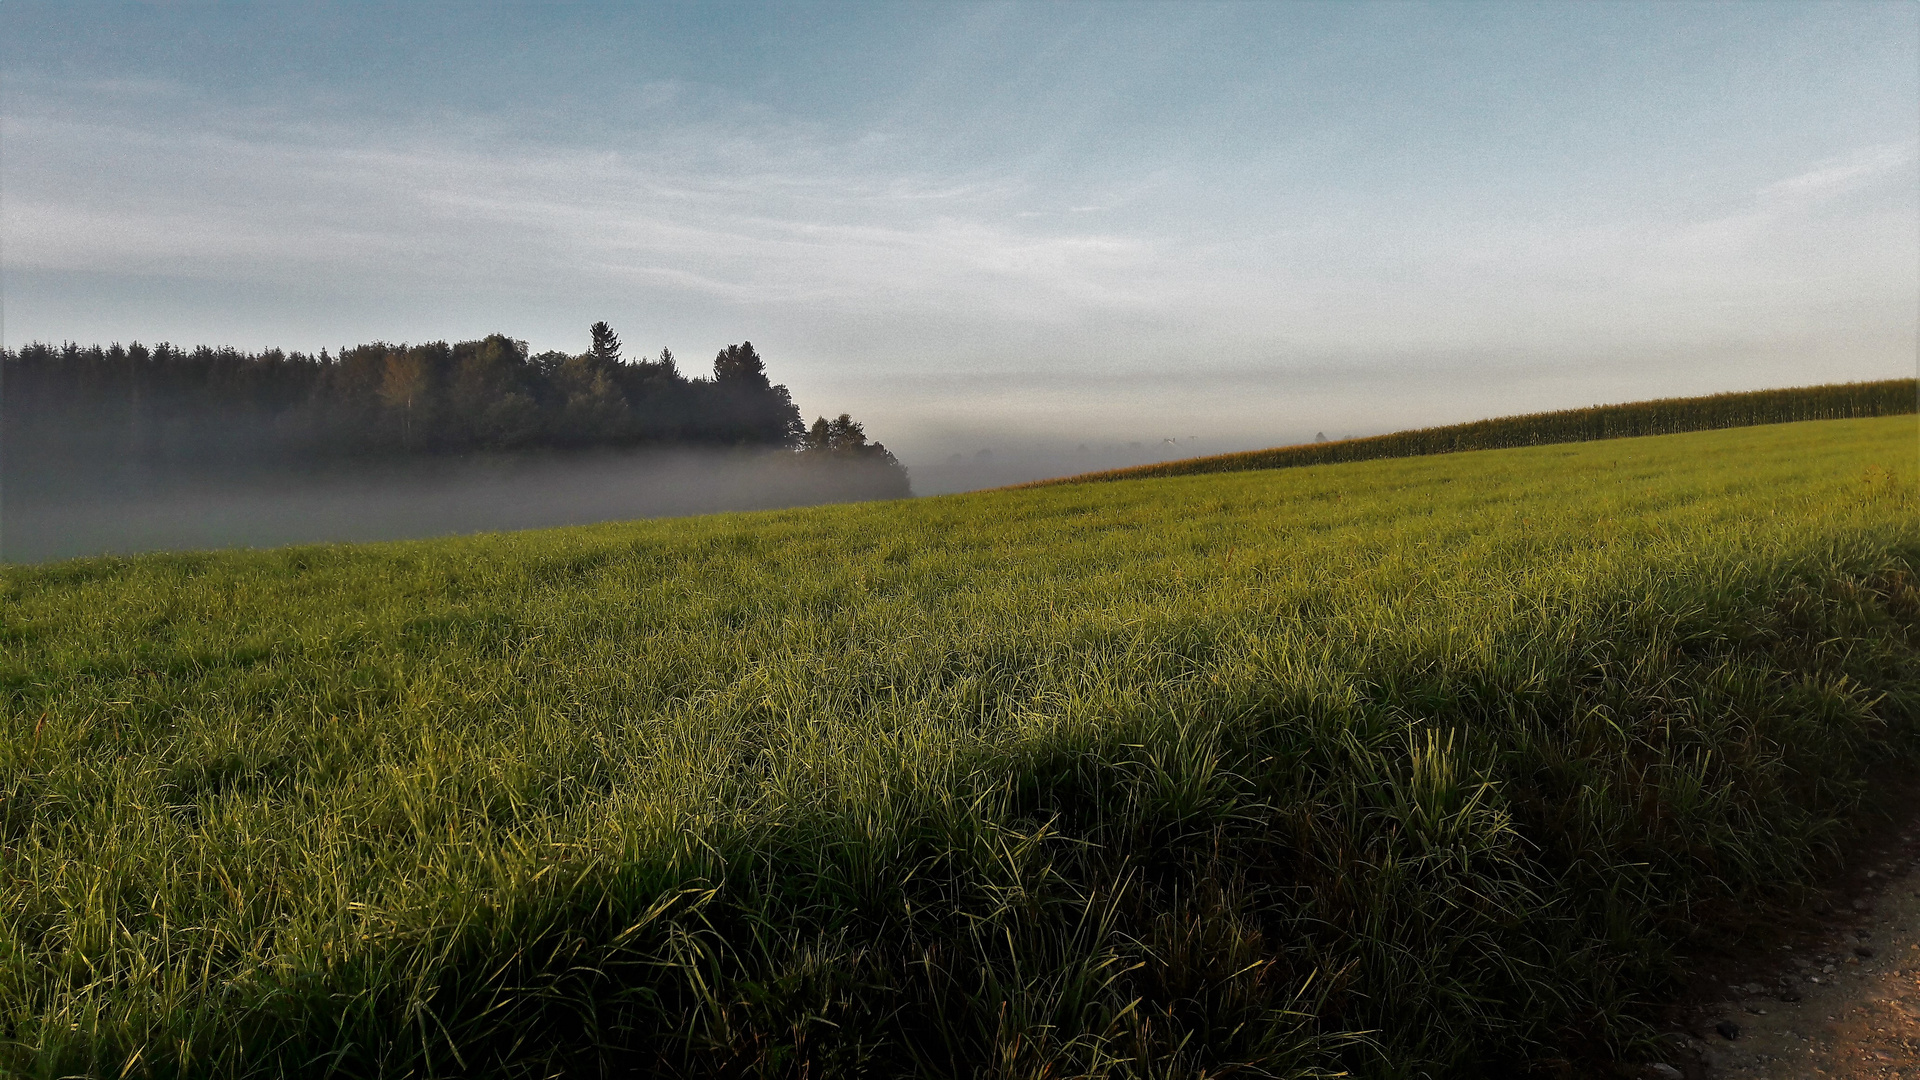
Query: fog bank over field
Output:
(998,462)
(434,497)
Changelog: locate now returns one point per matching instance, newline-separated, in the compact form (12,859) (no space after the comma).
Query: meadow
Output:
(1417,767)
(1628,420)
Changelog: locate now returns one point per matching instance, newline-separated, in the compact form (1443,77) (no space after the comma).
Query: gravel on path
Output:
(1841,1003)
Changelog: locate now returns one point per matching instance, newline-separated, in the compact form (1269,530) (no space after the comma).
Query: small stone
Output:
(1863,952)
(1665,1071)
(1789,996)
(1728,1030)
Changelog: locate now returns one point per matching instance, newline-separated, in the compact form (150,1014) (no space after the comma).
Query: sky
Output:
(1013,239)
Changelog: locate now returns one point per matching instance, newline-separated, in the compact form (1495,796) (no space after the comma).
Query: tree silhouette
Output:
(739,365)
(746,407)
(606,343)
(844,439)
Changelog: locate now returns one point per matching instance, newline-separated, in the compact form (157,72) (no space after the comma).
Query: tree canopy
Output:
(68,403)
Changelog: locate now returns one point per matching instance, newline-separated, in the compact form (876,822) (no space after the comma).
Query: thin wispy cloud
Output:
(793,229)
(1868,165)
(1111,215)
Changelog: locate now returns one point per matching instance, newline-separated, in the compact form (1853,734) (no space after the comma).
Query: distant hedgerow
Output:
(1663,416)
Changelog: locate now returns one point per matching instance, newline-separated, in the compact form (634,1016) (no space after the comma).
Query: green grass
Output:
(1405,767)
(1662,416)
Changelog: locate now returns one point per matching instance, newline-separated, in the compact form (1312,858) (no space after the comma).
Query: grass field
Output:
(1407,767)
(1633,419)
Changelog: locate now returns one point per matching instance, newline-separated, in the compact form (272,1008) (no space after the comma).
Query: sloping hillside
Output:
(1399,767)
(1665,416)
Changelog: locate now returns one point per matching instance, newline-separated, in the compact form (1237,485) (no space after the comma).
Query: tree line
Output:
(1664,416)
(213,409)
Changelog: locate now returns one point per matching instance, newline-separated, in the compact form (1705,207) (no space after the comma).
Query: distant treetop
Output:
(606,343)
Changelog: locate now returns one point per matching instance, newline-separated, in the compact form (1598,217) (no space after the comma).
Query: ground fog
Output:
(58,518)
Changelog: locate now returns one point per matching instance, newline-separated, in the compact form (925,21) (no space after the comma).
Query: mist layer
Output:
(413,499)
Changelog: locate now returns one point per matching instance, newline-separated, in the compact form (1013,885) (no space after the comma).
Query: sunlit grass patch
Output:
(1394,766)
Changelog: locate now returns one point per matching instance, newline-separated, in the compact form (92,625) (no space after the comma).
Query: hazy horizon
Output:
(1004,227)
(403,499)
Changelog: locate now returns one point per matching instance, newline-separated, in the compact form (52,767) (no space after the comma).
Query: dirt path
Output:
(1837,1000)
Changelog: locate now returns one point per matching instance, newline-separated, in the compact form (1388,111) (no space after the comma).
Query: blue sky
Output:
(1013,226)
